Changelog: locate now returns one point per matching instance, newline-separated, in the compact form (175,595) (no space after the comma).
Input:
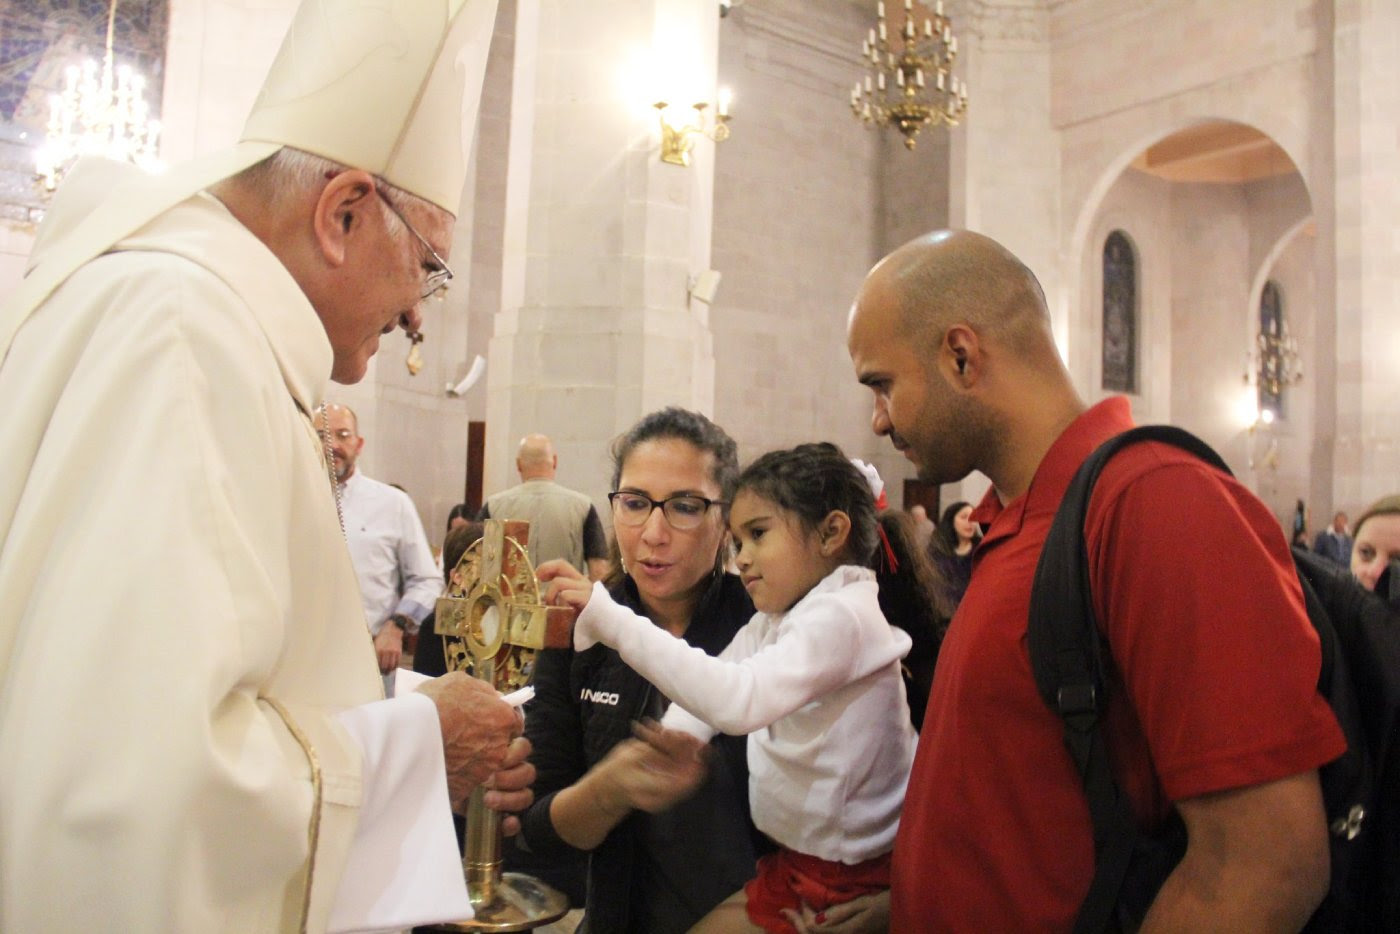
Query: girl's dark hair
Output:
(810,481)
(460,511)
(675,423)
(457,542)
(947,537)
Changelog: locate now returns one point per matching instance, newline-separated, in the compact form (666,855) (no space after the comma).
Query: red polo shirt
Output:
(1204,617)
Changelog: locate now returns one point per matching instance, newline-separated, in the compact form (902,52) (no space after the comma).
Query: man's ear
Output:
(960,355)
(834,530)
(341,211)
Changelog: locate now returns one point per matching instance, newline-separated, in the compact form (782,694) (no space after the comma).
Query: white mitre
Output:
(388,86)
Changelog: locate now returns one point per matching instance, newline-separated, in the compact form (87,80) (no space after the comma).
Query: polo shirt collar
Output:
(1093,427)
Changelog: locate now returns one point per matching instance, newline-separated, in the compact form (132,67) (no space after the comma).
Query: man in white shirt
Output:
(399,581)
(1334,543)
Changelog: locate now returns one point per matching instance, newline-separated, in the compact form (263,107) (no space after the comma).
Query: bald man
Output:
(563,523)
(1214,709)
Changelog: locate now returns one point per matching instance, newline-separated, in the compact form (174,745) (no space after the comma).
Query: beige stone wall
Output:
(1365,101)
(1139,205)
(1204,252)
(595,326)
(1125,75)
(797,215)
(1210,314)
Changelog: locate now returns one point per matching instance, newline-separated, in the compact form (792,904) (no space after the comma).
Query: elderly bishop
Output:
(191,719)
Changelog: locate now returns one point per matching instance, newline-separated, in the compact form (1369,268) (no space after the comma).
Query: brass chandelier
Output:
(910,83)
(102,111)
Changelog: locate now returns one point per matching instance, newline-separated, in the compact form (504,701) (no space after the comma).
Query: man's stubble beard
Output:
(962,438)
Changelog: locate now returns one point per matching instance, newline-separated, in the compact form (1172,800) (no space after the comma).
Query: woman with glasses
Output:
(653,868)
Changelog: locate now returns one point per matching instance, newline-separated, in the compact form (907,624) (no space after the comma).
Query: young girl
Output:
(814,678)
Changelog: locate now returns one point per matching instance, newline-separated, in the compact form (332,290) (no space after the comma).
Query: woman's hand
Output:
(671,766)
(866,914)
(649,774)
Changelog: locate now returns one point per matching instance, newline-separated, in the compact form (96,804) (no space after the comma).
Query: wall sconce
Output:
(1261,431)
(677,141)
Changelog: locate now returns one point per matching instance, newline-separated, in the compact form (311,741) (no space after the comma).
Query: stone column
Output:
(1366,87)
(596,326)
(1005,173)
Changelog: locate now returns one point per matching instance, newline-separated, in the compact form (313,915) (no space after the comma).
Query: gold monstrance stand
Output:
(493,624)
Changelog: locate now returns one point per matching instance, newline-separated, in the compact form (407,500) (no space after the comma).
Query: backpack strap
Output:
(1066,655)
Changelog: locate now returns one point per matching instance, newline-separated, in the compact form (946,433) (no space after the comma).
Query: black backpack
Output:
(1360,679)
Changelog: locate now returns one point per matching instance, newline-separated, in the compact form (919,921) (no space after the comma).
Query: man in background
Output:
(399,581)
(563,523)
(1334,542)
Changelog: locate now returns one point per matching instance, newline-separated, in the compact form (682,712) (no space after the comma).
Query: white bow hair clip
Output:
(872,477)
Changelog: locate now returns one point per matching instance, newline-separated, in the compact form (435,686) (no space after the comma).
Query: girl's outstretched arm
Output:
(748,686)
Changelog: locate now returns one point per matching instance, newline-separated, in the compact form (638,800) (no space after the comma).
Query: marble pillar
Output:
(1366,201)
(596,324)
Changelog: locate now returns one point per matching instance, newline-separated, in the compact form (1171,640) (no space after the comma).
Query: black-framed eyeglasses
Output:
(437,278)
(682,512)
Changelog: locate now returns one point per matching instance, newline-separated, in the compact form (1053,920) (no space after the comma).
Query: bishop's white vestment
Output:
(180,626)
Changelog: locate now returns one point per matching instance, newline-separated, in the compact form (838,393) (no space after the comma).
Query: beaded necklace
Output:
(324,430)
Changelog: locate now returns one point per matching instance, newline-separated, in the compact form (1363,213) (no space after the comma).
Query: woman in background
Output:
(1376,541)
(956,537)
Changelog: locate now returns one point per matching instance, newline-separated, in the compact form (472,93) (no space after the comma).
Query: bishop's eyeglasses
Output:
(682,512)
(438,275)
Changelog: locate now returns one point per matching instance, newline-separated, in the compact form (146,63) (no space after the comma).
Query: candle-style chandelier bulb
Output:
(101,111)
(910,82)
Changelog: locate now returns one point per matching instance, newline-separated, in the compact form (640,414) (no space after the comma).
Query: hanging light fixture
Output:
(910,83)
(101,111)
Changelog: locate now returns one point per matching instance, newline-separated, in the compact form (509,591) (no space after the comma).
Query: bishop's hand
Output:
(477,733)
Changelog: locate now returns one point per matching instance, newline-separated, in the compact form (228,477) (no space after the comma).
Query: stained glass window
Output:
(1271,368)
(1120,314)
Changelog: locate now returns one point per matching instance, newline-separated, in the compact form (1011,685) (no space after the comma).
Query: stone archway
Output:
(1211,207)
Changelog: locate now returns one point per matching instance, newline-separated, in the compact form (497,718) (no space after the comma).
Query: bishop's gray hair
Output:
(289,173)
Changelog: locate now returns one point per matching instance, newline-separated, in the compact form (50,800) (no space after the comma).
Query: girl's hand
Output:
(567,586)
(867,914)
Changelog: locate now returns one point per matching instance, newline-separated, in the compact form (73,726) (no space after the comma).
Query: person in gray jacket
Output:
(563,523)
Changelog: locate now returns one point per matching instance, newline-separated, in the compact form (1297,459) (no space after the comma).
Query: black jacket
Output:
(653,873)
